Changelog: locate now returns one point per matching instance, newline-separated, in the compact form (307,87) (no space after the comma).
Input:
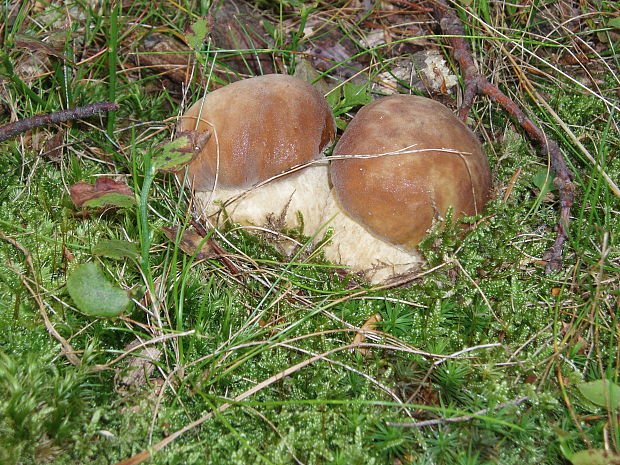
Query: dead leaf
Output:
(140,366)
(31,65)
(369,325)
(191,243)
(239,27)
(332,52)
(36,45)
(106,191)
(428,396)
(167,56)
(53,147)
(576,341)
(68,255)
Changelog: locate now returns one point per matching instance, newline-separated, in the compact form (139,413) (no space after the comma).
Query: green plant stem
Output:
(112,61)
(143,222)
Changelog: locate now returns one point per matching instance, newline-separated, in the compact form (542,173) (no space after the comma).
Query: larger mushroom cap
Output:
(396,197)
(260,127)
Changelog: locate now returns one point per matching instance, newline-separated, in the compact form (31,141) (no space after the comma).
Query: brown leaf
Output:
(531,378)
(53,147)
(238,26)
(36,45)
(140,366)
(369,325)
(333,52)
(166,56)
(68,255)
(428,396)
(191,243)
(105,191)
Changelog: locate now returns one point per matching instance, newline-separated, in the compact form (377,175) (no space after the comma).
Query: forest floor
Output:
(482,357)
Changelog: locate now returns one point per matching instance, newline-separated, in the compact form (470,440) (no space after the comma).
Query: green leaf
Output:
(601,392)
(94,295)
(595,457)
(355,95)
(615,23)
(334,97)
(543,180)
(111,199)
(172,155)
(197,33)
(116,248)
(270,28)
(352,95)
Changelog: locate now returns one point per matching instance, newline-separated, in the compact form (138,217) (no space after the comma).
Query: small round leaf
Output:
(595,457)
(93,294)
(601,392)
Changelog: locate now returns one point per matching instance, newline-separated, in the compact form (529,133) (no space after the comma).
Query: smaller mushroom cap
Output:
(260,127)
(396,197)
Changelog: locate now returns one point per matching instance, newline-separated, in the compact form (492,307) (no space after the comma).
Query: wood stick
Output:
(13,129)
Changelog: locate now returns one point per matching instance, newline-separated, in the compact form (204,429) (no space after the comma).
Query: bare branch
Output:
(13,129)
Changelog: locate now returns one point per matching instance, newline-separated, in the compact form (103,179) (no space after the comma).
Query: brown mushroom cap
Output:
(263,125)
(396,197)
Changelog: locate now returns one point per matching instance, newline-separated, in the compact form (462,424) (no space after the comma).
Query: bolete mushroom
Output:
(260,128)
(401,163)
(434,162)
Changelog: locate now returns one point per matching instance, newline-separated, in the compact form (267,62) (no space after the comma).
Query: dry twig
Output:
(13,129)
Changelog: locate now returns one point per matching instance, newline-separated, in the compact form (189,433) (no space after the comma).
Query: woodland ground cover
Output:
(482,329)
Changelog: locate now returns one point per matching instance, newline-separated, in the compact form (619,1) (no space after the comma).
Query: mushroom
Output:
(398,167)
(433,162)
(260,128)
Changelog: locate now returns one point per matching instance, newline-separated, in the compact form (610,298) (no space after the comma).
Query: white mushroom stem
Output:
(279,204)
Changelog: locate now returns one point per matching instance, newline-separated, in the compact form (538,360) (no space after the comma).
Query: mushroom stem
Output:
(305,201)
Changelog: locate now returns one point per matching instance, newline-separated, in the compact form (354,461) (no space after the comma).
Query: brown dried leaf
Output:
(237,26)
(36,45)
(140,366)
(332,50)
(369,325)
(191,243)
(105,192)
(68,255)
(31,65)
(167,56)
(53,147)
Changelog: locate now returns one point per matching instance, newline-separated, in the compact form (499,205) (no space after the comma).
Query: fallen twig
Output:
(476,84)
(13,129)
(462,418)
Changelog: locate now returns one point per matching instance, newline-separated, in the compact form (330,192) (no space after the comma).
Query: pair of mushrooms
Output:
(400,164)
